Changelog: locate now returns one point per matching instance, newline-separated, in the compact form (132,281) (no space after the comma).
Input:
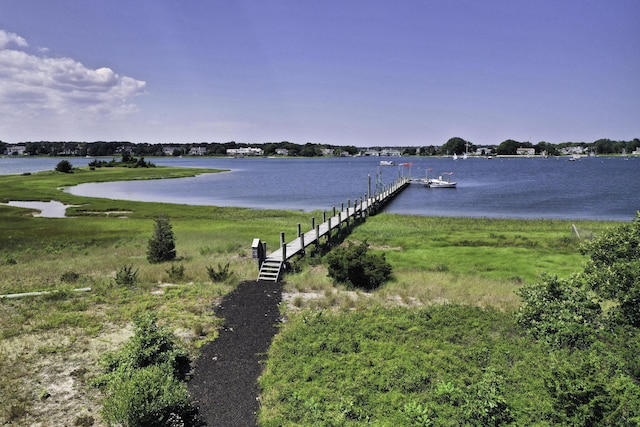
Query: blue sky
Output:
(354,72)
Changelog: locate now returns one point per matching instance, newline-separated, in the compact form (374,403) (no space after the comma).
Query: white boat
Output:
(574,157)
(387,163)
(440,182)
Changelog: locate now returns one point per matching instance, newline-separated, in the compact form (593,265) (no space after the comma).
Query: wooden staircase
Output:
(270,270)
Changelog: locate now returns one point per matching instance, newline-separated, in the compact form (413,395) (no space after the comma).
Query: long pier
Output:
(271,266)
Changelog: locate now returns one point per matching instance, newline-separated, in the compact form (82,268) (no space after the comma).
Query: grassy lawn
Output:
(49,344)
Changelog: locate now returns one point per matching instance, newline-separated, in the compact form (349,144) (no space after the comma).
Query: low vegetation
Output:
(355,266)
(143,381)
(567,356)
(439,342)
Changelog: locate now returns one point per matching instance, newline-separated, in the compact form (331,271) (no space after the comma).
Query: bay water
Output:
(596,188)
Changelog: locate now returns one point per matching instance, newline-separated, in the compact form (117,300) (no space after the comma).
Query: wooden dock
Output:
(272,265)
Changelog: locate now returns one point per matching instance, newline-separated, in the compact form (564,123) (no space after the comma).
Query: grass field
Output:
(49,344)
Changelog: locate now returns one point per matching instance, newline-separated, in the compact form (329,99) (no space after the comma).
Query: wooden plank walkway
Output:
(271,267)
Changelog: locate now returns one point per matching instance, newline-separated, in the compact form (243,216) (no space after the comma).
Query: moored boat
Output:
(440,182)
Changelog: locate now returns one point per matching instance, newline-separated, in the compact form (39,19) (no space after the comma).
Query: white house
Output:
(198,151)
(16,150)
(245,151)
(525,151)
(168,150)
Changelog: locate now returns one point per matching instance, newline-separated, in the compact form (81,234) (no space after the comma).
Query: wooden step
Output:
(270,270)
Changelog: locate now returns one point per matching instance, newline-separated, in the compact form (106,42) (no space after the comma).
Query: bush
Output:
(355,266)
(176,273)
(69,276)
(613,269)
(219,275)
(126,276)
(143,380)
(559,312)
(161,246)
(148,397)
(10,259)
(64,166)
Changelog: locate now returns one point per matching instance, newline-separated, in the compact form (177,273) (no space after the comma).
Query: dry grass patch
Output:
(45,375)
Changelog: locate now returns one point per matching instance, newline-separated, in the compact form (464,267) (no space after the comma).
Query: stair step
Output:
(270,270)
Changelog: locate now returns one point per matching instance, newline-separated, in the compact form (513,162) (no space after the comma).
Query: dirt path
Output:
(225,377)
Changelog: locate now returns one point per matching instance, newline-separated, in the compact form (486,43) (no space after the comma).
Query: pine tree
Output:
(161,246)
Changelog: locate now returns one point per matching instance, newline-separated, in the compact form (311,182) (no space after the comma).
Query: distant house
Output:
(390,152)
(198,151)
(245,151)
(168,150)
(572,150)
(282,152)
(525,151)
(16,150)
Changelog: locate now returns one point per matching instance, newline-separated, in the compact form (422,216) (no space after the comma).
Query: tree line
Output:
(455,145)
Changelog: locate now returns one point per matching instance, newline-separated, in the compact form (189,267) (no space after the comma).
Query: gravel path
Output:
(224,381)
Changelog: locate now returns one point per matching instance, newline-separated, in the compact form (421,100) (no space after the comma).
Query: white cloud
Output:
(7,38)
(36,87)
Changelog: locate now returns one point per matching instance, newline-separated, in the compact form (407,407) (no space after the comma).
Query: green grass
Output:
(366,367)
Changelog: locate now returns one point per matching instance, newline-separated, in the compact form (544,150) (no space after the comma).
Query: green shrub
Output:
(486,404)
(143,381)
(354,265)
(126,276)
(69,276)
(10,259)
(613,269)
(64,166)
(559,312)
(161,246)
(219,275)
(148,397)
(176,273)
(418,415)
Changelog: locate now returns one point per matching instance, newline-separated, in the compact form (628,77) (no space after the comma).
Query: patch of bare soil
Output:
(225,376)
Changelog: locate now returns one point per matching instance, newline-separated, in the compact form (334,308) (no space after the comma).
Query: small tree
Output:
(161,246)
(64,166)
(356,266)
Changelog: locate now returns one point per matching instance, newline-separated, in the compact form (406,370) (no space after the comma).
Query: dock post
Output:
(283,246)
(317,235)
(334,214)
(302,242)
(348,209)
(299,230)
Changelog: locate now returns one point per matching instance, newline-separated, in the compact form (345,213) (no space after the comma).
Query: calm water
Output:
(598,188)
